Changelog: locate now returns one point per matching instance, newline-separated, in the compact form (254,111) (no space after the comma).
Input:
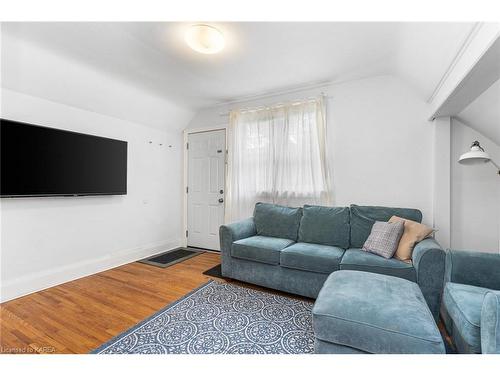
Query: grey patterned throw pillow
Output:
(384,238)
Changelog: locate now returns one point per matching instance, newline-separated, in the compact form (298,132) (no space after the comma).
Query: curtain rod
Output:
(322,94)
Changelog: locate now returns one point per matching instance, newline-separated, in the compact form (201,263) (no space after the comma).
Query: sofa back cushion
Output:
(363,217)
(277,221)
(325,226)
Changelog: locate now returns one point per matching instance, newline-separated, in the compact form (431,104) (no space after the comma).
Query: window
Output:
(277,155)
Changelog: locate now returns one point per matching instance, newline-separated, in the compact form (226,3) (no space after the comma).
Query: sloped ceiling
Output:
(483,114)
(258,56)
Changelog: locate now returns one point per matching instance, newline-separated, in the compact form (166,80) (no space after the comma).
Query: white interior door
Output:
(205,190)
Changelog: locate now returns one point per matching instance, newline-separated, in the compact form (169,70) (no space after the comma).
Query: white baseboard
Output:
(22,286)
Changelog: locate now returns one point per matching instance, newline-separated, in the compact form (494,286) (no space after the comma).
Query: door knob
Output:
(221,200)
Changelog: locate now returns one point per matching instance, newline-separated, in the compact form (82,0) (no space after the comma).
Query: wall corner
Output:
(442,180)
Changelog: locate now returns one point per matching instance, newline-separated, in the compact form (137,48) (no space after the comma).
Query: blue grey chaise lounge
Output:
(296,249)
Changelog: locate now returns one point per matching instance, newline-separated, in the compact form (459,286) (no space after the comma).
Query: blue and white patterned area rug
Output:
(221,318)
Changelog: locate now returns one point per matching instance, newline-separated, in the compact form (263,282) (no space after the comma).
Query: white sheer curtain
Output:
(278,155)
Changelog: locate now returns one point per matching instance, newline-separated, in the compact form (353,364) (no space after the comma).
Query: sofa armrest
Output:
(227,235)
(429,262)
(490,324)
(473,268)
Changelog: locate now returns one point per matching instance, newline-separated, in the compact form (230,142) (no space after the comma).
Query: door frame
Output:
(186,134)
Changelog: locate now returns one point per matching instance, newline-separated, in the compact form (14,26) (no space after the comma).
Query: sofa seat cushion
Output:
(325,226)
(375,314)
(463,305)
(357,259)
(312,257)
(260,248)
(363,217)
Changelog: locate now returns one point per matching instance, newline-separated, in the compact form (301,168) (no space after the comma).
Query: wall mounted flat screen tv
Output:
(41,161)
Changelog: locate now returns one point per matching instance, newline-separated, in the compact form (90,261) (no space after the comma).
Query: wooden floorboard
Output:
(81,315)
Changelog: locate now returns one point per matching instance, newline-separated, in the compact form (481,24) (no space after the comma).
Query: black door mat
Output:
(171,257)
(214,271)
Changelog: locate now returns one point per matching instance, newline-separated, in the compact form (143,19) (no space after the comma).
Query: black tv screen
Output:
(41,161)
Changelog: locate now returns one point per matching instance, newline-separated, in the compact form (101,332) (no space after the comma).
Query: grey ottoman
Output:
(362,312)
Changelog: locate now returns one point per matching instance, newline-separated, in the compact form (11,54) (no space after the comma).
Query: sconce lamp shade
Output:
(476,155)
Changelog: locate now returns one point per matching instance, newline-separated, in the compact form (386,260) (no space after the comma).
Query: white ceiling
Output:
(258,57)
(483,114)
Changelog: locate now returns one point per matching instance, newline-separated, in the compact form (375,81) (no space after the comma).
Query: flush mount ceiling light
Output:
(204,39)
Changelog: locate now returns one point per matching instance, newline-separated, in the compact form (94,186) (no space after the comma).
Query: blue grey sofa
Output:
(296,249)
(471,301)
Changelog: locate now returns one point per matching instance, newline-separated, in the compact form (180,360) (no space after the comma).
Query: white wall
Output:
(48,241)
(442,180)
(379,141)
(475,194)
(35,70)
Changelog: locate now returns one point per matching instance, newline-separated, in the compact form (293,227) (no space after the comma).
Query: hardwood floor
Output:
(79,316)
